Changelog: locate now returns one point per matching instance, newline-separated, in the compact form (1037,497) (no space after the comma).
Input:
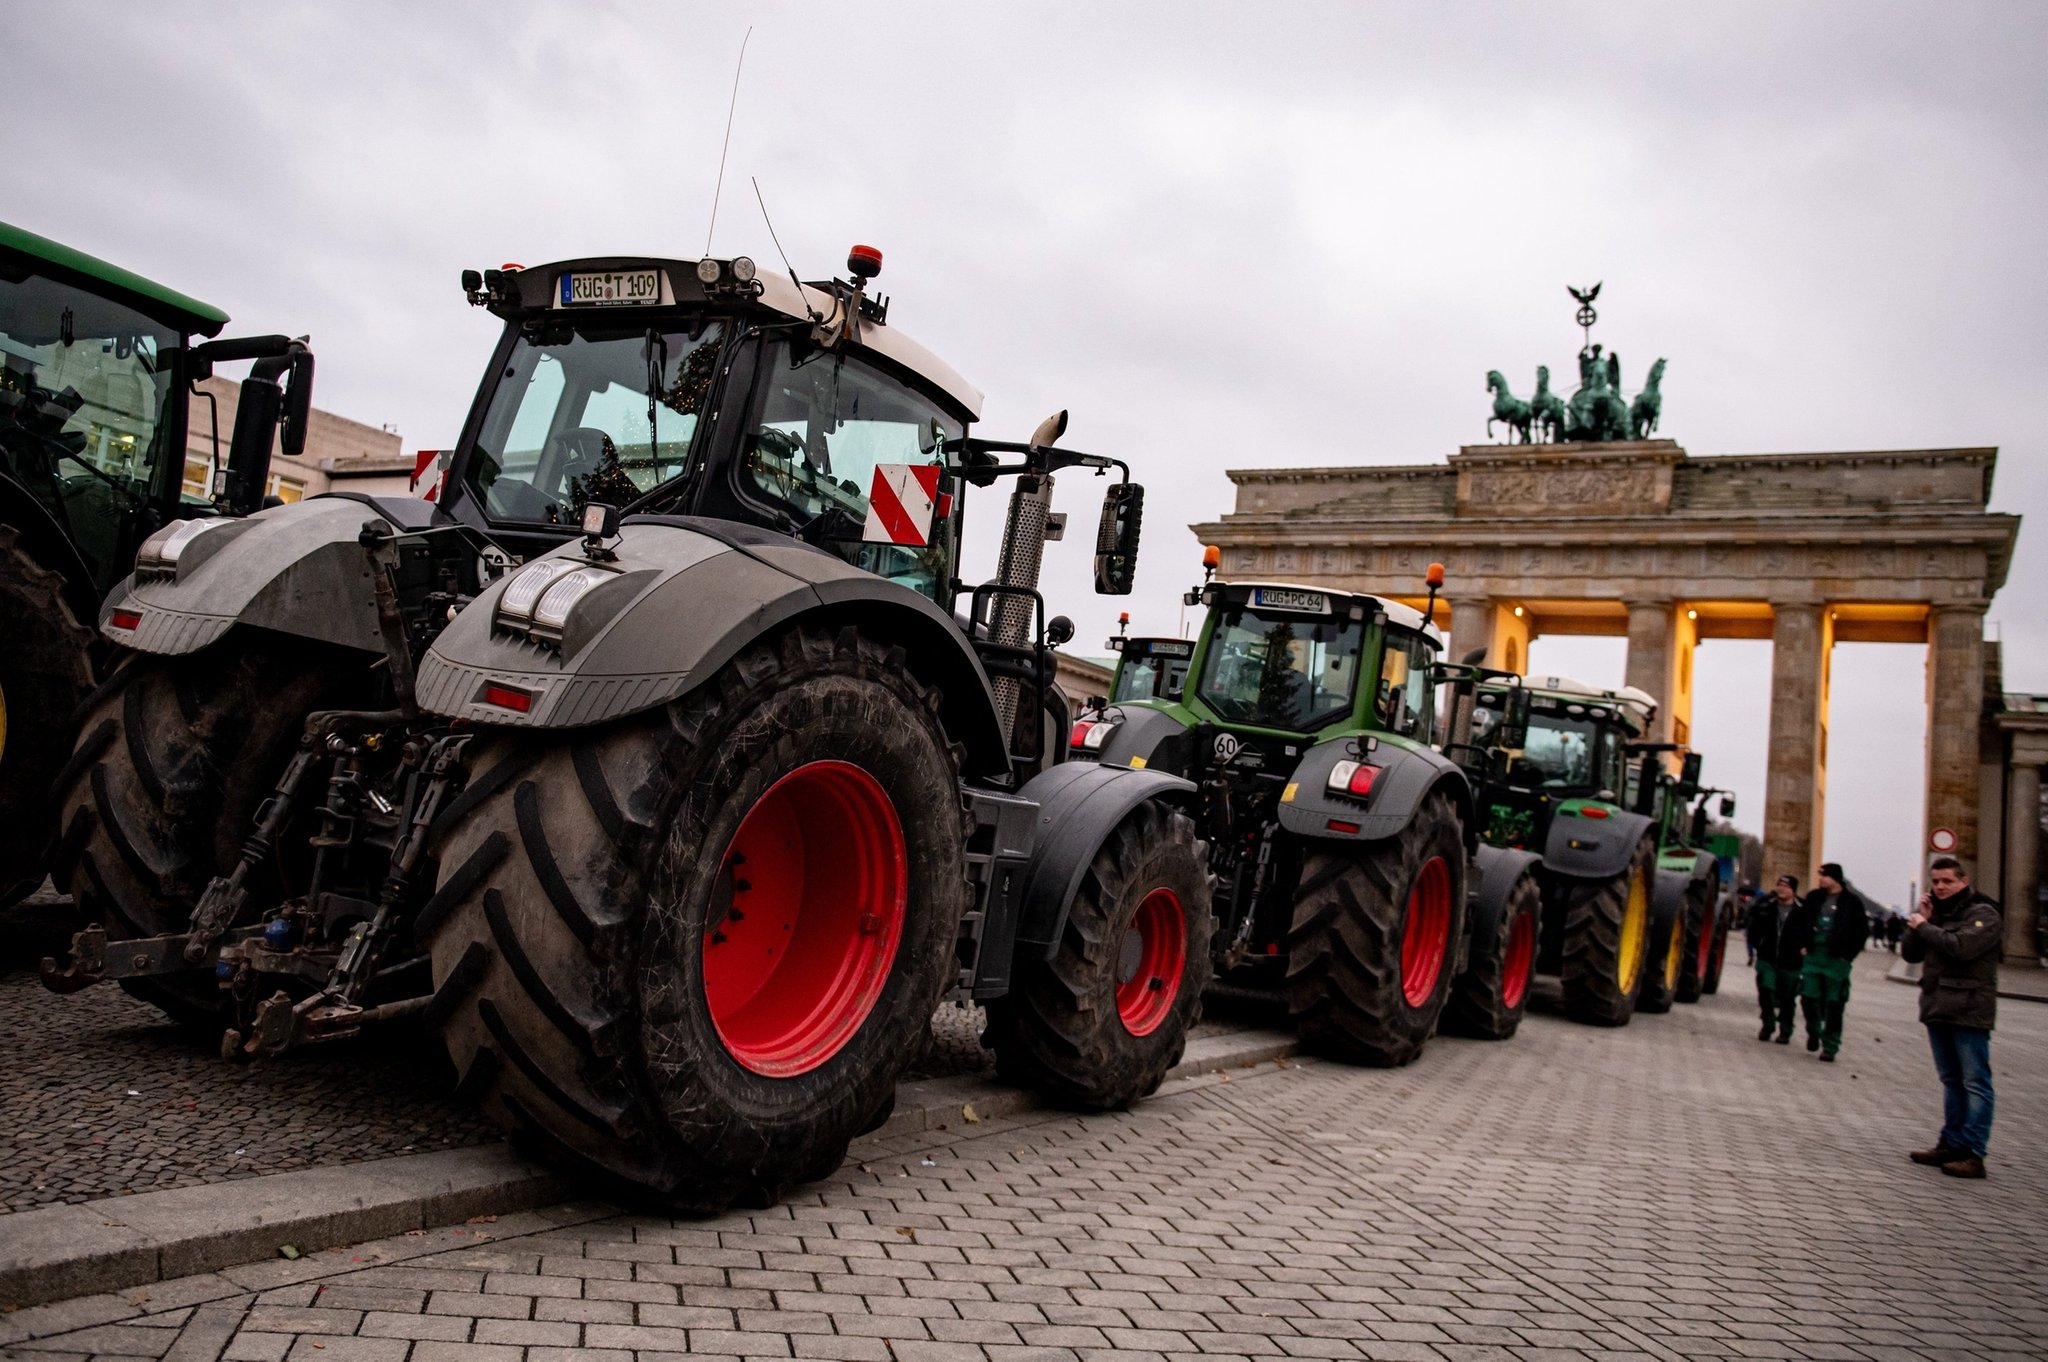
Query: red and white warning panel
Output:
(901,502)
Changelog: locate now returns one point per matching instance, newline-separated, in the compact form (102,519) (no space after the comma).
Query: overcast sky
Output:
(1222,236)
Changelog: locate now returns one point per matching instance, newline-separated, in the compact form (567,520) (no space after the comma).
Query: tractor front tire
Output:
(1491,996)
(687,955)
(1373,941)
(45,671)
(1606,941)
(173,759)
(1097,1026)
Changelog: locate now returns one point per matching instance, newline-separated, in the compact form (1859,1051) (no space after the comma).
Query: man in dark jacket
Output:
(1828,930)
(1956,935)
(1777,975)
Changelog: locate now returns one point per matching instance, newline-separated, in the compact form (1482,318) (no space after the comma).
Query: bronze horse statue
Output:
(1598,410)
(1649,405)
(1546,408)
(1506,407)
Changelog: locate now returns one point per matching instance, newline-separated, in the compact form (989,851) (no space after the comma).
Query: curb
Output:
(97,1246)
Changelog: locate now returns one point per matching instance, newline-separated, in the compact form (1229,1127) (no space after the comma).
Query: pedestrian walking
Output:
(1877,917)
(1955,935)
(1777,974)
(1894,931)
(1828,929)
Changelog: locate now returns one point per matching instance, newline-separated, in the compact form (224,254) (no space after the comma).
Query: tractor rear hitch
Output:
(93,958)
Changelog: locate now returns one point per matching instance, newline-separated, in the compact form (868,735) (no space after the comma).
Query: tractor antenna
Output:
(815,315)
(719,185)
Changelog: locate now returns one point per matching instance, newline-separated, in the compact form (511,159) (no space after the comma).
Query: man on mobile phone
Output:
(1777,973)
(1955,933)
(1829,927)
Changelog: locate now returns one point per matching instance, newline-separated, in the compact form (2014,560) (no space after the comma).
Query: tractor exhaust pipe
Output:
(1023,555)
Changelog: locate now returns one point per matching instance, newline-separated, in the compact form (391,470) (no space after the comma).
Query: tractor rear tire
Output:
(45,671)
(173,759)
(1702,938)
(1661,972)
(1606,941)
(1097,1026)
(1722,922)
(1373,941)
(687,955)
(1491,996)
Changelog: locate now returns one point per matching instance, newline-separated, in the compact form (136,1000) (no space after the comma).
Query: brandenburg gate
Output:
(1634,538)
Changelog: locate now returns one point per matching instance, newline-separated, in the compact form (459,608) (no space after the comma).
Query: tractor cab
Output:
(1150,668)
(1574,754)
(703,388)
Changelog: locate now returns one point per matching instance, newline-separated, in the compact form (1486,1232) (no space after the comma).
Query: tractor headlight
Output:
(552,613)
(515,607)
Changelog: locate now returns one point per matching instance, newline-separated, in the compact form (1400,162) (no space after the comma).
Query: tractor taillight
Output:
(507,697)
(1090,734)
(1591,811)
(124,619)
(1352,778)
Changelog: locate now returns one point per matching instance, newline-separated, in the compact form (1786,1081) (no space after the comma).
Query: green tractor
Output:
(1563,772)
(97,367)
(1339,836)
(1688,865)
(1148,668)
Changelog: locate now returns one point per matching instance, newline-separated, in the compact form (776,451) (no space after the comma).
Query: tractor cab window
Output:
(1150,677)
(1402,702)
(823,424)
(1564,751)
(85,383)
(1277,670)
(568,422)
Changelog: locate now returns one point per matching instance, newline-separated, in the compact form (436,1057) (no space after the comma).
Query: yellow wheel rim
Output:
(1635,925)
(1676,955)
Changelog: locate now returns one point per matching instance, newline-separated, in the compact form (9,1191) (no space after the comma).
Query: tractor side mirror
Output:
(298,402)
(1699,824)
(1116,539)
(256,413)
(1727,806)
(1689,772)
(1058,630)
(1514,722)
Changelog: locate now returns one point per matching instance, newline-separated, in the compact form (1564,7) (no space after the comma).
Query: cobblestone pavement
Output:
(1671,1190)
(100,1096)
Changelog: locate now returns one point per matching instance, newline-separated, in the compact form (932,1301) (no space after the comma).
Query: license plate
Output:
(610,288)
(1170,649)
(1278,598)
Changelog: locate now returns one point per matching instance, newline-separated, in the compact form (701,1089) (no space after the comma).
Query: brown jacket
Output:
(1959,943)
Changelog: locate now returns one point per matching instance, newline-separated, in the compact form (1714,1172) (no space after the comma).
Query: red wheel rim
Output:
(806,919)
(1151,963)
(1706,961)
(1427,937)
(1519,963)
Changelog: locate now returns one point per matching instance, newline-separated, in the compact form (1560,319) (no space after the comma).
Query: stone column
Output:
(2022,860)
(1955,713)
(1650,654)
(1793,797)
(1471,627)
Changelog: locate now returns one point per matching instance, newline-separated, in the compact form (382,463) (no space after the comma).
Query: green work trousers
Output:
(1823,997)
(1775,990)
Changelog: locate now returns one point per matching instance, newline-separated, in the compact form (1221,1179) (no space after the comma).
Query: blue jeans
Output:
(1962,1056)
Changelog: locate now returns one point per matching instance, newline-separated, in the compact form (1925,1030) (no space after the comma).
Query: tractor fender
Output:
(686,596)
(297,569)
(1595,848)
(1079,805)
(1704,868)
(1498,868)
(1147,739)
(1408,775)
